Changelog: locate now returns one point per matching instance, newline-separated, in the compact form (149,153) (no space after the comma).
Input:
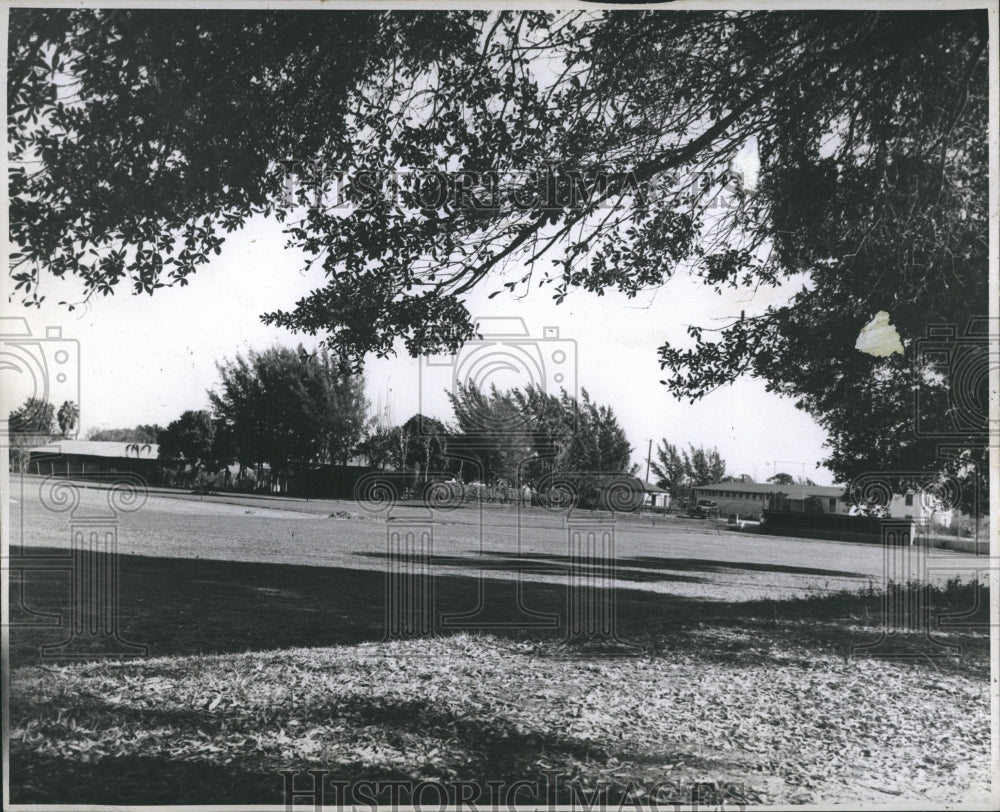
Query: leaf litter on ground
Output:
(784,728)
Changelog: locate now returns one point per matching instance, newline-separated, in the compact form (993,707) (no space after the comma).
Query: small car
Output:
(702,509)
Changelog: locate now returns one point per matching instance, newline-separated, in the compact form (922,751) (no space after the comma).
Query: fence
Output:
(835,527)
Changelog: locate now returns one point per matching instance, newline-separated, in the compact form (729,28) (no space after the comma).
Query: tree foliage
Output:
(425,440)
(139,138)
(523,434)
(781,478)
(30,425)
(36,416)
(288,409)
(383,445)
(142,434)
(704,466)
(684,468)
(669,467)
(870,128)
(188,441)
(67,417)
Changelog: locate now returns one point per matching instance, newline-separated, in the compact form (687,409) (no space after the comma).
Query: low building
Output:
(621,493)
(655,496)
(924,507)
(90,458)
(751,499)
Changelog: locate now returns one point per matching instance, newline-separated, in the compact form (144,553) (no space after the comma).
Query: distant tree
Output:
(669,467)
(597,448)
(67,416)
(704,466)
(137,448)
(494,436)
(146,432)
(526,433)
(347,407)
(383,445)
(597,441)
(188,441)
(143,433)
(781,478)
(30,425)
(288,409)
(387,447)
(737,478)
(425,444)
(35,417)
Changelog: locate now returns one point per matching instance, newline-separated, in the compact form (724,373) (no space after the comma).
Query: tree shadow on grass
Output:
(184,606)
(37,778)
(196,606)
(707,565)
(480,748)
(536,563)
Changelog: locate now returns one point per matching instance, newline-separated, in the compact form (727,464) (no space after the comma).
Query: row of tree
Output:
(679,469)
(517,435)
(38,416)
(286,411)
(142,434)
(279,410)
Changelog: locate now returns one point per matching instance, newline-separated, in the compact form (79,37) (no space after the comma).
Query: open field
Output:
(268,617)
(673,555)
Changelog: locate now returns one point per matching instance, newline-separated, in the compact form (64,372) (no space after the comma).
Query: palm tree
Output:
(67,416)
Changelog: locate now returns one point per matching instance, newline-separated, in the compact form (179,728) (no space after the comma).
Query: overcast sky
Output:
(147,359)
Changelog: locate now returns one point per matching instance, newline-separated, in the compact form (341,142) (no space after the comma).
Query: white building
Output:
(655,496)
(921,506)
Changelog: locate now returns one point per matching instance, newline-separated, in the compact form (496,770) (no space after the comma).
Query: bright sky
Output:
(147,359)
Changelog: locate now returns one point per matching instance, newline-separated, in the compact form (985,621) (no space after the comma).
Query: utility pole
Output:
(649,455)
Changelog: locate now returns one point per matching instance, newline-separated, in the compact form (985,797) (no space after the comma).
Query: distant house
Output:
(924,507)
(656,497)
(85,458)
(629,493)
(753,498)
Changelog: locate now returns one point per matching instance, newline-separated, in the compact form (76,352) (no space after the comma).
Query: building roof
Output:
(637,483)
(94,448)
(766,488)
(649,487)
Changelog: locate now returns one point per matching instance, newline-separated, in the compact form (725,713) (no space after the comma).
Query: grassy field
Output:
(265,625)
